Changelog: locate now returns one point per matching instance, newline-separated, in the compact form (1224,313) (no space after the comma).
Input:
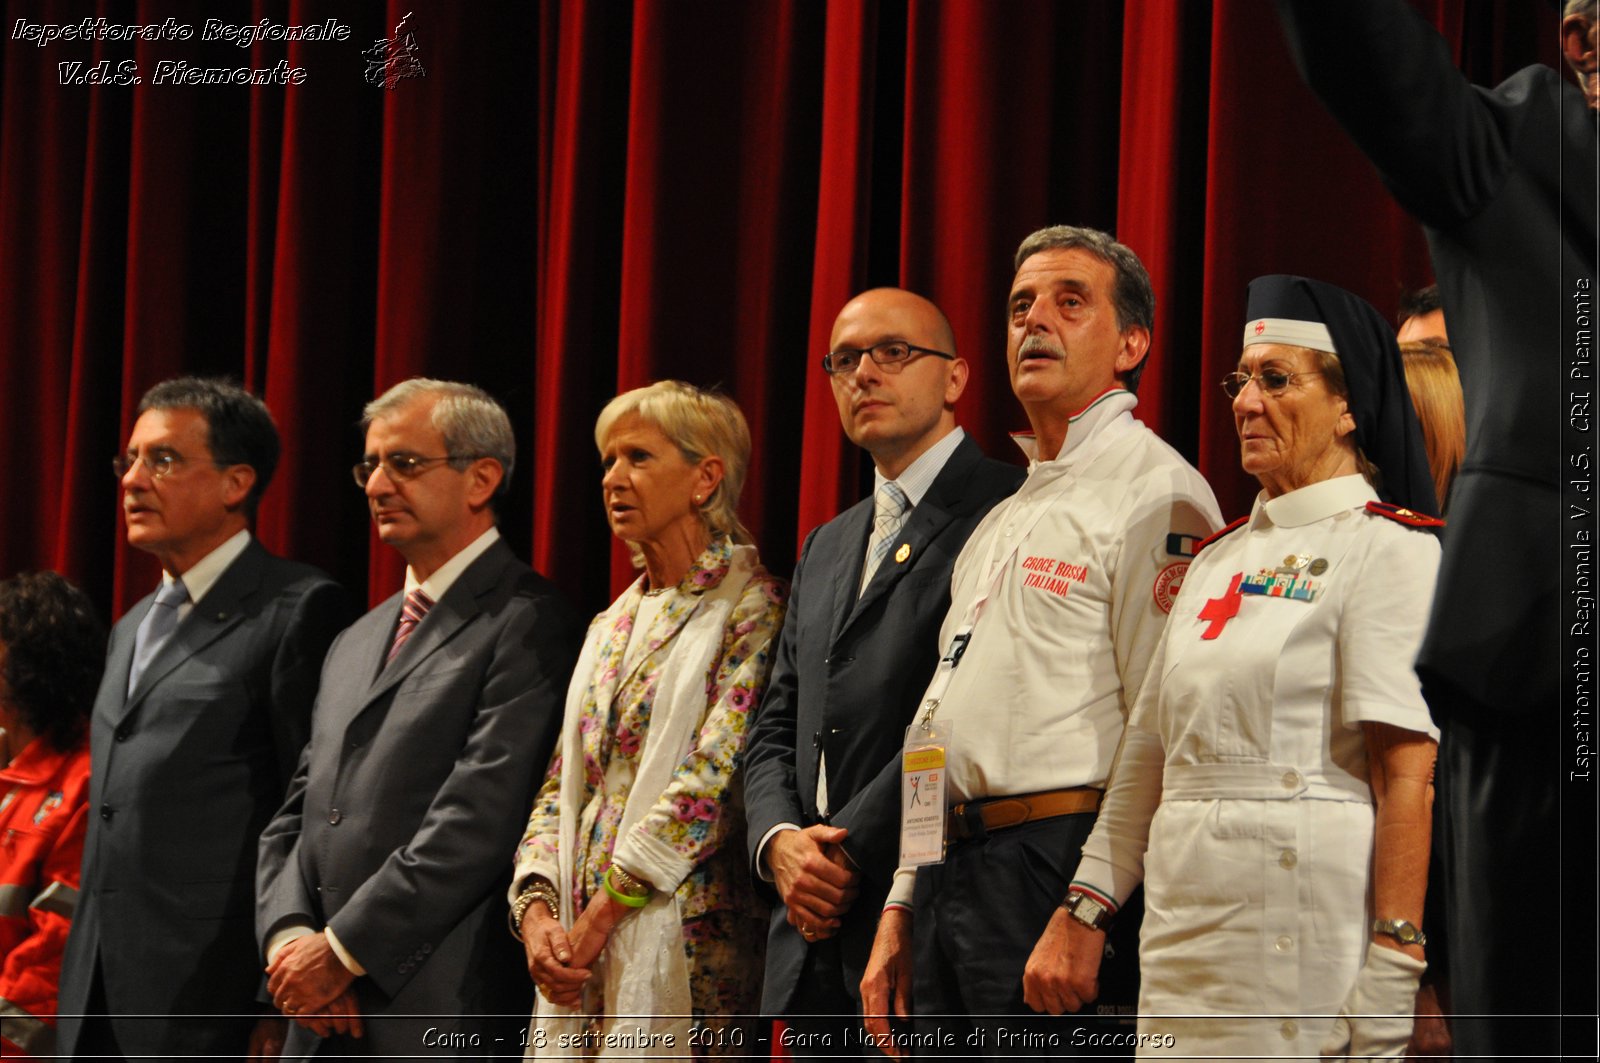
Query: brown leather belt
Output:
(974,819)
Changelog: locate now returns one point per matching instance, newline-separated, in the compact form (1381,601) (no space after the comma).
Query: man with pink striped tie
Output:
(378,906)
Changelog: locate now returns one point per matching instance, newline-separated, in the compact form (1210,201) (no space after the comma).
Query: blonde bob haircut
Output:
(700,424)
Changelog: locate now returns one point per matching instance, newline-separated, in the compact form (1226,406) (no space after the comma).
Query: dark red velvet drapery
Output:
(584,195)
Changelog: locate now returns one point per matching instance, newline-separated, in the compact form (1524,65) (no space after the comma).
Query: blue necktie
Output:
(889,508)
(156,628)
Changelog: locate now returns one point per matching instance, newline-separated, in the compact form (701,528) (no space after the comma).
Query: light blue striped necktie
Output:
(156,628)
(889,508)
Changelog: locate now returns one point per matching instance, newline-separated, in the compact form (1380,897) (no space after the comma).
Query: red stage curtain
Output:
(586,195)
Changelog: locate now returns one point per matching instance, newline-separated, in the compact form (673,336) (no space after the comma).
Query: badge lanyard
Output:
(926,754)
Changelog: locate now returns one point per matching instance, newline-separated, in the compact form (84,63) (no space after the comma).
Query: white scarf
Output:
(643,968)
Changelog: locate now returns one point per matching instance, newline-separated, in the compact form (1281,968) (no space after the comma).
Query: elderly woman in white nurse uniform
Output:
(1273,789)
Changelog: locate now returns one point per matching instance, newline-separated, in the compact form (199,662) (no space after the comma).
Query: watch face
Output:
(1087,909)
(1401,930)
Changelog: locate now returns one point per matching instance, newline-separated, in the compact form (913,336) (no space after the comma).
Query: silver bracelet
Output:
(537,890)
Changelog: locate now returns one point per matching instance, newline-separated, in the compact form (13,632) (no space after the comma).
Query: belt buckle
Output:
(967,819)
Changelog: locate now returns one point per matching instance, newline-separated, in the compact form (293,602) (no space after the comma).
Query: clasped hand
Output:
(311,985)
(561,963)
(814,877)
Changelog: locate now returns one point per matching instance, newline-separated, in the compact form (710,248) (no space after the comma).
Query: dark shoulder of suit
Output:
(186,775)
(887,648)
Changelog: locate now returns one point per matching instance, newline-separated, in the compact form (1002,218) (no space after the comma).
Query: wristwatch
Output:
(1402,931)
(1086,910)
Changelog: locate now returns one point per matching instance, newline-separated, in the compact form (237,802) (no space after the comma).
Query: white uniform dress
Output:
(1247,749)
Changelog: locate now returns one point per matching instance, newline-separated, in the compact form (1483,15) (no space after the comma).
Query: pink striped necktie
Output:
(415,608)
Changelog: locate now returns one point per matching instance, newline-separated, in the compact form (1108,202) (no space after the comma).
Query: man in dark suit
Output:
(858,646)
(201,714)
(1503,181)
(381,903)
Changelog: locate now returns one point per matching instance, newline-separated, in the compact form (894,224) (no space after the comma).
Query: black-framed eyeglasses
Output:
(401,466)
(158,463)
(890,357)
(1271,381)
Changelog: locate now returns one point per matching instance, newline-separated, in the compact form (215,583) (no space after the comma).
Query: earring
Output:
(697,500)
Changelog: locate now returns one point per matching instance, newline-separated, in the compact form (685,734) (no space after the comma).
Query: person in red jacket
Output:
(52,649)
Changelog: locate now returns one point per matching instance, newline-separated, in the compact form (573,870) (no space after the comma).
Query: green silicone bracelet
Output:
(617,895)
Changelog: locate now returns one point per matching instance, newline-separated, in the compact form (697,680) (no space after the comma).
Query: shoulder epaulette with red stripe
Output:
(1400,515)
(1214,536)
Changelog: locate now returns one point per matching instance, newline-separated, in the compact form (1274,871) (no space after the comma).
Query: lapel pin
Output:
(901,554)
(1319,566)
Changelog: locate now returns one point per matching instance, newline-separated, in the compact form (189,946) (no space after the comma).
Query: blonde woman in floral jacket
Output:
(630,891)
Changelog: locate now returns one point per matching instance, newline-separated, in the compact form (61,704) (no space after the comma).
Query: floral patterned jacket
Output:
(700,816)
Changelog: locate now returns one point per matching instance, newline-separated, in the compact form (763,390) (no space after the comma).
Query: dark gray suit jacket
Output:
(405,812)
(846,680)
(1503,181)
(185,773)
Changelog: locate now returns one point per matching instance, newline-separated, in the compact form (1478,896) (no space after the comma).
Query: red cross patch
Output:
(1221,610)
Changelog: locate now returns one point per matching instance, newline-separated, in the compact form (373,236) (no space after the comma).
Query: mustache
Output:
(1037,344)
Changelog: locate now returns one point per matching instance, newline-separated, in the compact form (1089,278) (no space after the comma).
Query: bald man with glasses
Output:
(858,646)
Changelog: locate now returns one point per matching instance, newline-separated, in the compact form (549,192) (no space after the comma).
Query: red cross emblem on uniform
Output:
(1221,610)
(1261,326)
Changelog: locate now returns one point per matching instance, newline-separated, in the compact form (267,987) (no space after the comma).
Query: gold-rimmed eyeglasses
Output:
(1271,381)
(401,467)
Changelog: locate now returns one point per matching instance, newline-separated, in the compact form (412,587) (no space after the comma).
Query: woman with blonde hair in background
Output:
(1436,393)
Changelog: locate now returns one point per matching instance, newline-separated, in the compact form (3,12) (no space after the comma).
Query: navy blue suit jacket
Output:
(847,678)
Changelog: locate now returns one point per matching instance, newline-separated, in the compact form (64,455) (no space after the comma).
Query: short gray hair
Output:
(472,423)
(1587,8)
(700,424)
(1131,292)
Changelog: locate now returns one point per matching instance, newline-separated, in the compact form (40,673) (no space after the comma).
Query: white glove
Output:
(1375,1021)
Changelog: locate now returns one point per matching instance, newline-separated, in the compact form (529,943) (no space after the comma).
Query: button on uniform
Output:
(1287,859)
(334,816)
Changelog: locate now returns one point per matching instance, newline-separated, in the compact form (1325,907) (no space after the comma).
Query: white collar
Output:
(436,585)
(204,573)
(916,478)
(1081,426)
(1314,502)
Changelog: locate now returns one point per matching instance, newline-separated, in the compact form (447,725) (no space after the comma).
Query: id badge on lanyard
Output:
(924,764)
(925,757)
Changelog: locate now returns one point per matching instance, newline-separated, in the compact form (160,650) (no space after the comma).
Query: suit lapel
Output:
(112,702)
(847,573)
(457,608)
(119,660)
(928,518)
(219,612)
